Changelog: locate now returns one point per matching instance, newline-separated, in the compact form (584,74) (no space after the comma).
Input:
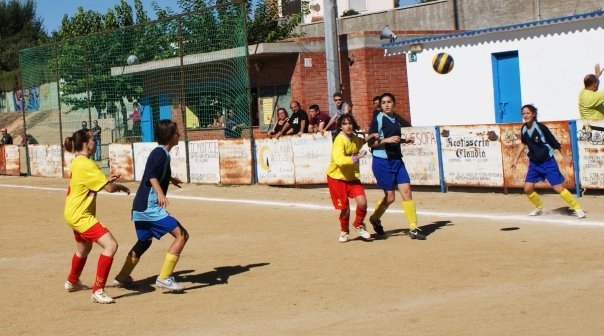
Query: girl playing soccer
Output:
(85,181)
(149,214)
(389,168)
(541,145)
(343,177)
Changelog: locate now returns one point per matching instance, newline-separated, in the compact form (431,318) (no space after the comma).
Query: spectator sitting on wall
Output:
(218,121)
(282,117)
(298,121)
(6,138)
(28,139)
(232,129)
(591,101)
(317,119)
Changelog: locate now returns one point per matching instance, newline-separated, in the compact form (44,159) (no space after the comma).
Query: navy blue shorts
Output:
(389,173)
(547,170)
(146,230)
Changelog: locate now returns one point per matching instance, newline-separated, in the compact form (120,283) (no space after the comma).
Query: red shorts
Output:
(91,235)
(341,190)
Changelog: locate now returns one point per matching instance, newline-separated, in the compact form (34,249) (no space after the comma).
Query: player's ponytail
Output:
(76,141)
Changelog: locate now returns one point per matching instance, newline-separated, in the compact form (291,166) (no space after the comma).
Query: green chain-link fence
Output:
(191,68)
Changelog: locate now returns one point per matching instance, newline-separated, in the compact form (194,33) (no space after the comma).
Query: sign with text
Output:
(590,143)
(204,162)
(141,151)
(178,161)
(421,156)
(471,155)
(312,154)
(275,161)
(45,160)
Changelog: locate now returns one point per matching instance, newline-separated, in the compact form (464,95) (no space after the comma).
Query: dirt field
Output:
(266,261)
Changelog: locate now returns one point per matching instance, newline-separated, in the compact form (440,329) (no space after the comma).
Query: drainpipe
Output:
(538,9)
(456,15)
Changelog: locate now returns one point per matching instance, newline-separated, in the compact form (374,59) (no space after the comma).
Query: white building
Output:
(497,70)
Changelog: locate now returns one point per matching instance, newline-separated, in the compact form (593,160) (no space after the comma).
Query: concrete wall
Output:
(472,14)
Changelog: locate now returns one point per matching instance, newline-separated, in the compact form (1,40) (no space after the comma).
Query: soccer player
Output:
(149,214)
(389,168)
(85,181)
(541,145)
(343,177)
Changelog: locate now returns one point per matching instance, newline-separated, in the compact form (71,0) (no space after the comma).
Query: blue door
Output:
(506,85)
(165,106)
(146,119)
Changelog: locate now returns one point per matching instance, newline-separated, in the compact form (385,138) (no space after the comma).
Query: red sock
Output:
(343,223)
(102,272)
(77,265)
(360,216)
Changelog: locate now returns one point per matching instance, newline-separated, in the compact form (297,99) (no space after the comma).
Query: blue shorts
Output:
(389,173)
(547,170)
(146,230)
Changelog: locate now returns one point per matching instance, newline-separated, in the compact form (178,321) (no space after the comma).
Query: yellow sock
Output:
(380,208)
(570,199)
(169,265)
(410,213)
(129,265)
(534,198)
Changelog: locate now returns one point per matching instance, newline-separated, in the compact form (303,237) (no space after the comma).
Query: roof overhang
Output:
(214,56)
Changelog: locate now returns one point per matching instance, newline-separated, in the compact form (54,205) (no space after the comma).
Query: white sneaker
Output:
(100,296)
(362,232)
(127,282)
(536,212)
(169,284)
(343,237)
(74,287)
(579,213)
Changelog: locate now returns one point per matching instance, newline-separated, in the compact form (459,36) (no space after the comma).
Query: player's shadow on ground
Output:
(427,229)
(564,211)
(219,276)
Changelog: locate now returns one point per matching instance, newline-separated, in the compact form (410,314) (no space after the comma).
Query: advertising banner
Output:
(275,161)
(204,162)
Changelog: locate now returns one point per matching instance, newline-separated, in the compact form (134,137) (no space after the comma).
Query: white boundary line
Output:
(553,219)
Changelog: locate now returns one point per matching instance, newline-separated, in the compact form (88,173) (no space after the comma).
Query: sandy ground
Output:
(266,261)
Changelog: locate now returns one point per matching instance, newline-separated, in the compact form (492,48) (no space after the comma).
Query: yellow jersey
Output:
(85,181)
(341,166)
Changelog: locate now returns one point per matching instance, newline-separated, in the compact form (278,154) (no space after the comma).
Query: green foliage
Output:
(266,26)
(19,29)
(350,12)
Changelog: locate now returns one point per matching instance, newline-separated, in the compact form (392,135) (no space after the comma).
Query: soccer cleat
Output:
(416,234)
(100,296)
(121,283)
(536,212)
(74,287)
(343,237)
(169,284)
(362,232)
(579,213)
(377,226)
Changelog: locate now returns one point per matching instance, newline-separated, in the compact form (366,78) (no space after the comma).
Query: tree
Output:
(265,25)
(19,28)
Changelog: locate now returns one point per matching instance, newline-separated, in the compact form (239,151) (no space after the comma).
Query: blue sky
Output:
(52,11)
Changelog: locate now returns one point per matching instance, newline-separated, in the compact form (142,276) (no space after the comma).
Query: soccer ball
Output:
(132,59)
(442,63)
